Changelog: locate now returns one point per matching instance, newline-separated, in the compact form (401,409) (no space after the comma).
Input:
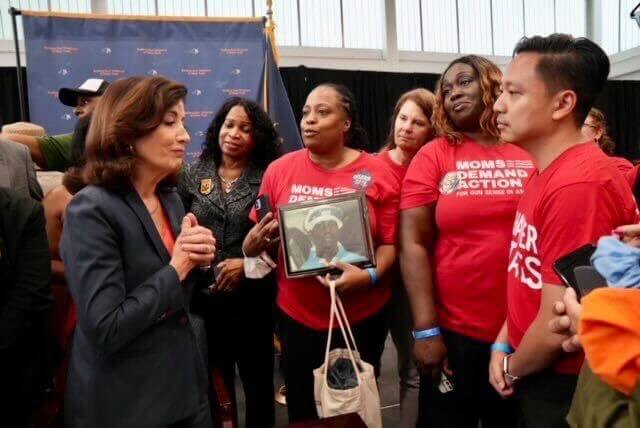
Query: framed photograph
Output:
(316,234)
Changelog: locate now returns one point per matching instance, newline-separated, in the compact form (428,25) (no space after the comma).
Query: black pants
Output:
(473,399)
(545,399)
(240,333)
(303,351)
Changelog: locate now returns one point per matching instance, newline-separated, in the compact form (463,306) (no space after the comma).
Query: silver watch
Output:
(505,369)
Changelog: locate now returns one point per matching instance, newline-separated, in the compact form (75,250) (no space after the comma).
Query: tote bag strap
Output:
(335,312)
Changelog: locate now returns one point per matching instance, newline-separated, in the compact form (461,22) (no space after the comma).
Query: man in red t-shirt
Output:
(575,196)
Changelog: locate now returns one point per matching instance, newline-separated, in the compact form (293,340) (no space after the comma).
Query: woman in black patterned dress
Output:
(220,189)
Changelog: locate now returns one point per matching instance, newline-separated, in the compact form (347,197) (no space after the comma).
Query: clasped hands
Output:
(195,246)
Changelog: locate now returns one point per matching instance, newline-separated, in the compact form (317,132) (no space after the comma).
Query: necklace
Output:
(227,184)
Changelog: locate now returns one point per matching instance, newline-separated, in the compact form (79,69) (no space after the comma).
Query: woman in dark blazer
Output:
(220,190)
(128,249)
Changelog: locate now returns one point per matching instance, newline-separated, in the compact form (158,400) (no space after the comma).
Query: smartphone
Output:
(565,265)
(587,280)
(445,385)
(262,206)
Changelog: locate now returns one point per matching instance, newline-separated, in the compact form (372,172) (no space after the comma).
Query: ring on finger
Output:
(267,239)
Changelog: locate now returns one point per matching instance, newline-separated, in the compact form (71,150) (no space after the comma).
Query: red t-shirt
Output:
(621,164)
(632,176)
(399,171)
(476,190)
(577,199)
(294,178)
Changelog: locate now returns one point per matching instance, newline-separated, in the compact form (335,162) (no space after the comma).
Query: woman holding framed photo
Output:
(331,164)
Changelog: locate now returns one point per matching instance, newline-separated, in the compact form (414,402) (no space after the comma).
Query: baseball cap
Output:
(321,214)
(90,87)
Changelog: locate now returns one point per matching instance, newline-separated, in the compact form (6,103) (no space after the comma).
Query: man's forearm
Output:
(537,351)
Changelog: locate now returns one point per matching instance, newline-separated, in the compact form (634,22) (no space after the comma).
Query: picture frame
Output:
(320,232)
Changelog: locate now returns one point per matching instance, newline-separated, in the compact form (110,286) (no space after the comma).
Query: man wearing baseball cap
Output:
(53,152)
(323,224)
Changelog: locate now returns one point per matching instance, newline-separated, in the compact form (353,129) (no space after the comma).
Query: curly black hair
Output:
(267,148)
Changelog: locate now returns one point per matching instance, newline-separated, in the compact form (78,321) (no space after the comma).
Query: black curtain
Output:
(9,104)
(620,102)
(377,92)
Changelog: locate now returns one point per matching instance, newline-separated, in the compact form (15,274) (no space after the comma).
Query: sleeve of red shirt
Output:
(632,176)
(266,188)
(573,216)
(387,208)
(421,183)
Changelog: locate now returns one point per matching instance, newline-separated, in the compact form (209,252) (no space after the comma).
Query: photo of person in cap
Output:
(53,152)
(323,224)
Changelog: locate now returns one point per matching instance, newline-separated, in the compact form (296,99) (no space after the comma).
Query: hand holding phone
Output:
(262,206)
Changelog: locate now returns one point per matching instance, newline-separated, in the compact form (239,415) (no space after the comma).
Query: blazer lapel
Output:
(135,202)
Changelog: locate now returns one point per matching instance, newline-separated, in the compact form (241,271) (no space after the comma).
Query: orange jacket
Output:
(610,335)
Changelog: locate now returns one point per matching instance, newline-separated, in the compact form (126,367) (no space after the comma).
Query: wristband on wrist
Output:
(502,347)
(426,334)
(374,275)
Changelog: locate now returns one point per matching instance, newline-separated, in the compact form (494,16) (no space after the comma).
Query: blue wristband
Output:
(426,334)
(502,347)
(374,275)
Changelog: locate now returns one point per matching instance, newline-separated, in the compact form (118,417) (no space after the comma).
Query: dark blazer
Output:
(134,357)
(226,215)
(25,301)
(16,170)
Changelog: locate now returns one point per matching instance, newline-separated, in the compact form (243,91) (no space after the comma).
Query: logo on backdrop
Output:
(105,51)
(194,51)
(152,51)
(238,92)
(234,51)
(196,71)
(108,72)
(60,50)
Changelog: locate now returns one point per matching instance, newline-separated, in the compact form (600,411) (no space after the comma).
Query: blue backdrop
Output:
(214,59)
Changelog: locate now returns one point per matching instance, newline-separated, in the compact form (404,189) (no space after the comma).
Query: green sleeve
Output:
(56,150)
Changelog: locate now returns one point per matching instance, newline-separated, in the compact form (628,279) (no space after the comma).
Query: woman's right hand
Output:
(431,357)
(261,236)
(195,246)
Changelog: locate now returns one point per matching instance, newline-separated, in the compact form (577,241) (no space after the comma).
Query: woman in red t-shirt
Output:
(595,128)
(330,164)
(458,202)
(411,128)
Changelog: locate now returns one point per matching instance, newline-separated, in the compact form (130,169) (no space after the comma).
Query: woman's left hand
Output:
(230,273)
(352,278)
